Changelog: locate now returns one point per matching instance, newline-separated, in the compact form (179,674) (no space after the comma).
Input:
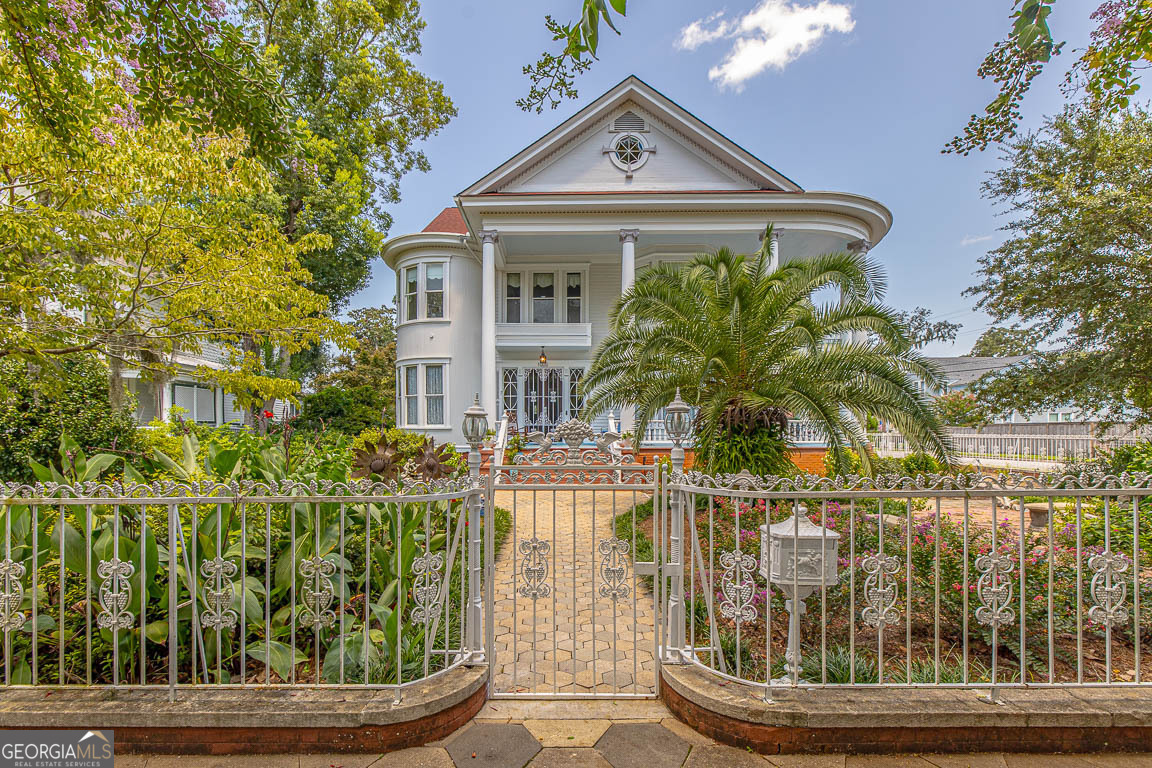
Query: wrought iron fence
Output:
(240,584)
(971,581)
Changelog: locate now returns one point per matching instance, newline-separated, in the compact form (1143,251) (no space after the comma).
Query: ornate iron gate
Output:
(571,578)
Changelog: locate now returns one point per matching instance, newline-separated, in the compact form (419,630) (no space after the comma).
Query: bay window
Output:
(422,394)
(424,291)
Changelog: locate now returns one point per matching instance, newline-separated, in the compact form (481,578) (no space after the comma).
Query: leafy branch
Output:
(554,75)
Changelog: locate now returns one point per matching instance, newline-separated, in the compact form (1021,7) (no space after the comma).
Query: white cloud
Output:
(773,34)
(973,239)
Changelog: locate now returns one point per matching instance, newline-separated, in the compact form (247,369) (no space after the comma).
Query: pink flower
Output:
(104,137)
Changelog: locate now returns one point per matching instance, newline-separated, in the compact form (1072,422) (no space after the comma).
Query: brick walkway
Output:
(572,639)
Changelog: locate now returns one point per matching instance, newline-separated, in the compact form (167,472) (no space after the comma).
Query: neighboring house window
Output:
(198,402)
(510,390)
(543,297)
(512,298)
(434,394)
(412,293)
(575,399)
(434,290)
(411,395)
(572,296)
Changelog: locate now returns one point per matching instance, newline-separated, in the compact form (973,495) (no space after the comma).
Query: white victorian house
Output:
(508,292)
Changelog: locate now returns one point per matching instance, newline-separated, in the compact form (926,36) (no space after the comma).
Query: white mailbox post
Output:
(799,557)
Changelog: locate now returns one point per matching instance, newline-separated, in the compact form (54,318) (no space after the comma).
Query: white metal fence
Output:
(244,585)
(1046,448)
(969,581)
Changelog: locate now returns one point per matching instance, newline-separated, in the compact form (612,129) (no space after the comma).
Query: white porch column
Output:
(860,247)
(628,239)
(488,322)
(774,251)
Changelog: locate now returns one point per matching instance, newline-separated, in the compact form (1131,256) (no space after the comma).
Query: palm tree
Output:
(751,348)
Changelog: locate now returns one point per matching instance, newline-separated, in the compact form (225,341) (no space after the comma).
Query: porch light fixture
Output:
(676,419)
(543,358)
(475,426)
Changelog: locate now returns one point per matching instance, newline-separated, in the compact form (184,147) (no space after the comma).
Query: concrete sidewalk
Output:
(610,734)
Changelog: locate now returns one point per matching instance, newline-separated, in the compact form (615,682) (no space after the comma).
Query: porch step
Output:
(587,709)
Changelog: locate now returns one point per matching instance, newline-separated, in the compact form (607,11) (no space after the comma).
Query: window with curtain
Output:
(411,395)
(512,297)
(543,297)
(572,297)
(411,293)
(434,290)
(434,394)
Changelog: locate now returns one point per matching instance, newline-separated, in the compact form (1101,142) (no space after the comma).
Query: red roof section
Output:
(448,220)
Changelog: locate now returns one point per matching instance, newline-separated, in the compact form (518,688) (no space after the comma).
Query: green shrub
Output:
(350,411)
(760,450)
(32,420)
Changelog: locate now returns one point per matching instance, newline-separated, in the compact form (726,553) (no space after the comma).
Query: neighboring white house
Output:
(508,293)
(960,373)
(200,402)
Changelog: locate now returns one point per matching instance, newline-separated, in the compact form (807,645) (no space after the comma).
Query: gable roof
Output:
(448,220)
(719,149)
(962,371)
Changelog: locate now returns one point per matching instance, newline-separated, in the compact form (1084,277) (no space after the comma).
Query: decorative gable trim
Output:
(640,99)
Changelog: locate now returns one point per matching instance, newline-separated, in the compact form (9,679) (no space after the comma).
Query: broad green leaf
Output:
(278,656)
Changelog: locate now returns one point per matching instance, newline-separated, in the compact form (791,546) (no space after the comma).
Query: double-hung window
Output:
(434,290)
(543,297)
(434,394)
(512,297)
(423,394)
(198,402)
(538,296)
(411,395)
(412,293)
(572,297)
(423,291)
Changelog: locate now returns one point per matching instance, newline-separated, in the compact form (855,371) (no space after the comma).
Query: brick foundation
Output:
(272,740)
(779,739)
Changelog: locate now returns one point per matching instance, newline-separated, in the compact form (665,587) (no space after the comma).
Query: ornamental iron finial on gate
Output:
(573,433)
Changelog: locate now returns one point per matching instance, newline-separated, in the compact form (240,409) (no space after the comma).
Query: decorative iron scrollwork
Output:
(115,593)
(1109,588)
(614,569)
(426,587)
(218,594)
(879,596)
(573,434)
(11,596)
(317,592)
(995,594)
(735,588)
(535,568)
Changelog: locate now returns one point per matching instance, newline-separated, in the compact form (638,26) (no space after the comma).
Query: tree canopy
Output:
(1003,342)
(1076,273)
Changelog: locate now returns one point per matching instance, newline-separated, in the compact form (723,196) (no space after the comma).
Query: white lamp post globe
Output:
(676,419)
(475,426)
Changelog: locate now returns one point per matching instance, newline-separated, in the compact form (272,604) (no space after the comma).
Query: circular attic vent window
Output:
(628,152)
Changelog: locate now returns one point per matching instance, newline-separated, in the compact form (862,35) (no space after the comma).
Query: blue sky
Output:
(863,106)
